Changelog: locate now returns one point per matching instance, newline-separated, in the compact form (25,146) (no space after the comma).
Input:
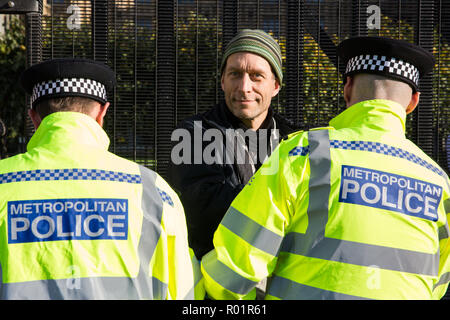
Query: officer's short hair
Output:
(75,104)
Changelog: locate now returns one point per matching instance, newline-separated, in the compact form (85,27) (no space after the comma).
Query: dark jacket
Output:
(207,190)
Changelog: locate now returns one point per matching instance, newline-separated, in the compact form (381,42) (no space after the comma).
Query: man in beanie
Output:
(76,221)
(356,210)
(248,129)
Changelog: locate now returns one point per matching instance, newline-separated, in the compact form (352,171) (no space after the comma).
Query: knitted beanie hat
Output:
(258,42)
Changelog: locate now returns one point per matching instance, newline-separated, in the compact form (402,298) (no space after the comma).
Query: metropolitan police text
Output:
(66,219)
(389,191)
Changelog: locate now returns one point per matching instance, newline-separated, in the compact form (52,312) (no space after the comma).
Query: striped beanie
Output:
(258,42)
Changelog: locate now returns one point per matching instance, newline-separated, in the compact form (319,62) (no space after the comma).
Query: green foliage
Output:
(12,97)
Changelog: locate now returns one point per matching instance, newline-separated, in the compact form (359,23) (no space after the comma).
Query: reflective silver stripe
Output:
(363,254)
(190,295)
(255,234)
(159,290)
(286,289)
(319,187)
(442,280)
(152,208)
(197,277)
(226,277)
(96,288)
(144,286)
(444,232)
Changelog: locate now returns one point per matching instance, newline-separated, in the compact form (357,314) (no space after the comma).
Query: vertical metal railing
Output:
(34,55)
(165,86)
(425,114)
(294,62)
(163,65)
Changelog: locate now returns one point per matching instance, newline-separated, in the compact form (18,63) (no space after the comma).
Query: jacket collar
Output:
(378,114)
(60,130)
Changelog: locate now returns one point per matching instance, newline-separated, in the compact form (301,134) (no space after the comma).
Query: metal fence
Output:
(166,55)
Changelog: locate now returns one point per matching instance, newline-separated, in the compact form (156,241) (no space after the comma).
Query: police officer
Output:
(76,221)
(356,210)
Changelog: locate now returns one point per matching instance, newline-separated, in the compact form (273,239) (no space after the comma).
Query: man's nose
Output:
(245,83)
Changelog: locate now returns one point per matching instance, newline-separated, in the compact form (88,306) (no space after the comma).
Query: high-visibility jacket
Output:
(351,211)
(78,222)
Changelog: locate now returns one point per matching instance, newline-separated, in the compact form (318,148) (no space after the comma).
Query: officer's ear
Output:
(413,102)
(101,113)
(35,118)
(348,90)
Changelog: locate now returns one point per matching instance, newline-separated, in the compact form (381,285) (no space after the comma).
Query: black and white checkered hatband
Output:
(59,87)
(385,65)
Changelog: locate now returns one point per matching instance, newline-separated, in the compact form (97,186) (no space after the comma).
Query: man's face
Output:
(249,86)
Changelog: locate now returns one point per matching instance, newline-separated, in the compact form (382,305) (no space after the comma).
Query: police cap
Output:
(68,77)
(395,59)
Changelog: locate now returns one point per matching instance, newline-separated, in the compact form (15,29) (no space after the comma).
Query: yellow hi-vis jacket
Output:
(78,222)
(353,211)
